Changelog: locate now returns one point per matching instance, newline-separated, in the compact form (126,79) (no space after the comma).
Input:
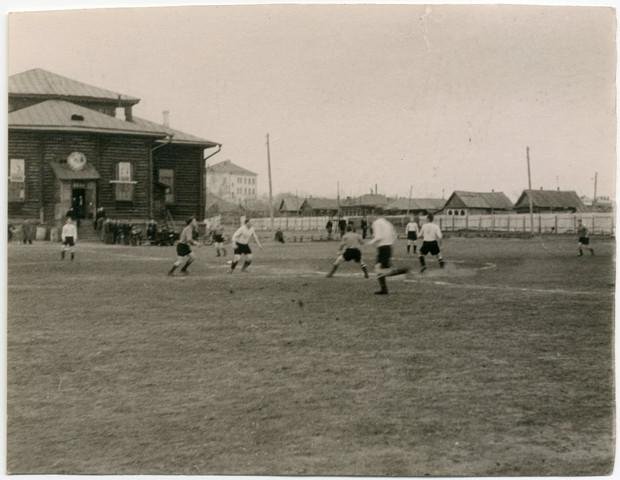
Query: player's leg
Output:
(422,256)
(64,249)
(179,261)
(218,247)
(247,262)
(188,261)
(235,261)
(72,251)
(382,267)
(408,246)
(337,262)
(436,252)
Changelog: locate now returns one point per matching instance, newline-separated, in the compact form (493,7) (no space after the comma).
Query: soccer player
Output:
(384,235)
(68,236)
(412,230)
(584,238)
(431,236)
(241,241)
(349,250)
(218,239)
(184,252)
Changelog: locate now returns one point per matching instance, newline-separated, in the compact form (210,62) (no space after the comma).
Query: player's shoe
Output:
(381,292)
(441,264)
(423,269)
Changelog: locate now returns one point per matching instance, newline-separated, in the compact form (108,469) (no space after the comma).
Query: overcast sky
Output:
(436,98)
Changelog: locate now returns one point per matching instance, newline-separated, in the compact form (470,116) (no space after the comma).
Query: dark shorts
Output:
(183,249)
(69,242)
(430,247)
(218,238)
(384,256)
(412,236)
(584,240)
(352,254)
(242,249)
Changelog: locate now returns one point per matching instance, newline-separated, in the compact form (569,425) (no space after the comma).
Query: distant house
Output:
(415,206)
(476,203)
(549,201)
(319,207)
(369,204)
(290,206)
(231,182)
(219,206)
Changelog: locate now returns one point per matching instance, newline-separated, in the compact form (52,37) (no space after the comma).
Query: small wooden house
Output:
(549,201)
(476,203)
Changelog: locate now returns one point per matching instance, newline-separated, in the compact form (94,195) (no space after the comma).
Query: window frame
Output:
(172,193)
(118,182)
(21,198)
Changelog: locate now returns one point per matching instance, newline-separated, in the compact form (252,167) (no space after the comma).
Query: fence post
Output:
(539,223)
(440,223)
(492,223)
(453,223)
(480,223)
(467,221)
(593,219)
(556,225)
(508,224)
(524,229)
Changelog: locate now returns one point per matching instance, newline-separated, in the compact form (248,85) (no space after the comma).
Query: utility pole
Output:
(270,188)
(529,186)
(409,204)
(338,196)
(595,181)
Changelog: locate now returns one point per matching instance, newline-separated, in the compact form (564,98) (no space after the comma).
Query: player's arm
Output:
(256,238)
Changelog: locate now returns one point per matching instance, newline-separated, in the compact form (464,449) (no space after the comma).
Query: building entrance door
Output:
(78,202)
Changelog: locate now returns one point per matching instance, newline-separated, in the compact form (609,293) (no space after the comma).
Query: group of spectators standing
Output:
(342,225)
(25,233)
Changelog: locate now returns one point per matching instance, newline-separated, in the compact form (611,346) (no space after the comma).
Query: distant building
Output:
(74,147)
(231,182)
(290,206)
(476,203)
(416,206)
(319,207)
(369,204)
(602,204)
(549,201)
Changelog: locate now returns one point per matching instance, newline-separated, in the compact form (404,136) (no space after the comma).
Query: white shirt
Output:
(412,227)
(383,232)
(69,230)
(430,232)
(244,234)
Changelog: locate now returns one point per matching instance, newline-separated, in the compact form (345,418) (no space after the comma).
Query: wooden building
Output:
(73,146)
(415,206)
(369,204)
(548,201)
(319,207)
(477,203)
(290,206)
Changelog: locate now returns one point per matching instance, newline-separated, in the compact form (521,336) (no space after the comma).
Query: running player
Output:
(384,235)
(69,238)
(218,239)
(431,236)
(184,252)
(412,230)
(584,238)
(241,241)
(349,250)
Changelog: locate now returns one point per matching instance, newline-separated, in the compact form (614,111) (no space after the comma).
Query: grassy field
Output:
(501,364)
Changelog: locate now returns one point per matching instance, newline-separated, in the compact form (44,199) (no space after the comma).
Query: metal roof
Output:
(322,203)
(229,167)
(64,172)
(550,199)
(60,115)
(369,199)
(482,200)
(178,137)
(428,204)
(290,204)
(41,82)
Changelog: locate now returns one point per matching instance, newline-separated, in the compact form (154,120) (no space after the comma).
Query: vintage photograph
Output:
(325,240)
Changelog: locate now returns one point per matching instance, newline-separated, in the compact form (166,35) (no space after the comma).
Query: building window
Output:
(166,176)
(17,180)
(124,183)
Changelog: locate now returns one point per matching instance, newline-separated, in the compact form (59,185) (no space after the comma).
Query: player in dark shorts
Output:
(184,252)
(218,239)
(349,251)
(384,237)
(68,236)
(584,239)
(412,230)
(431,236)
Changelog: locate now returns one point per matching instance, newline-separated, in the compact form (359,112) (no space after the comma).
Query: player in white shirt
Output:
(412,231)
(384,236)
(69,237)
(431,239)
(241,242)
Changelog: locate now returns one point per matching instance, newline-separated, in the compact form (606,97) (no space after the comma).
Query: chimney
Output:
(166,115)
(128,114)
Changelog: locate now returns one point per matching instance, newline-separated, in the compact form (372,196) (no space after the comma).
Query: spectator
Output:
(329,226)
(342,226)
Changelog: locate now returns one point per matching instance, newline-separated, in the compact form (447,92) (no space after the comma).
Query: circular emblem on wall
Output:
(76,160)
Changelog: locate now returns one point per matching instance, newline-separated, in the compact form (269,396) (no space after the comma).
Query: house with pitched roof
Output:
(290,206)
(319,207)
(477,203)
(74,146)
(231,182)
(548,201)
(368,204)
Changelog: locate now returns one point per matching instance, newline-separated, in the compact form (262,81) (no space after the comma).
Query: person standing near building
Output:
(350,250)
(184,252)
(584,238)
(384,236)
(412,230)
(431,239)
(69,237)
(241,242)
(364,227)
(329,226)
(342,226)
